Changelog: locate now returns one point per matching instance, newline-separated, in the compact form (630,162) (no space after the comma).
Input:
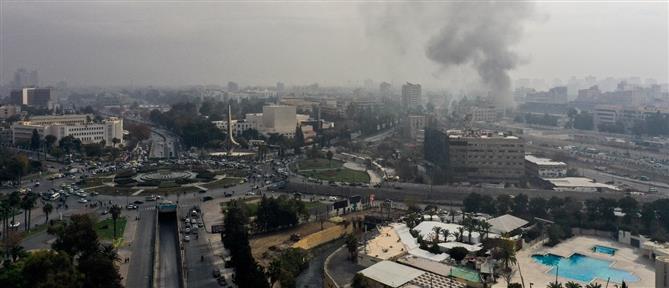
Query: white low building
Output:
(544,167)
(77,126)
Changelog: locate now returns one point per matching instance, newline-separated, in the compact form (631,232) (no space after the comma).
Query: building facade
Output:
(544,167)
(476,156)
(7,111)
(279,119)
(69,125)
(411,95)
(37,97)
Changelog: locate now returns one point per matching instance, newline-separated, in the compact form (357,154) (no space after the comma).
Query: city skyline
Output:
(174,43)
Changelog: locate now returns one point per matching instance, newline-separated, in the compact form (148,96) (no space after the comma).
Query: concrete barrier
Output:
(156,252)
(328,281)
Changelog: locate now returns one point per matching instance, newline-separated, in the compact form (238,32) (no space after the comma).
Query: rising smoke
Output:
(476,34)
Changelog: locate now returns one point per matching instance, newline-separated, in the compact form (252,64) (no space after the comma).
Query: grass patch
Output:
(108,190)
(35,230)
(173,190)
(319,163)
(105,228)
(225,182)
(313,204)
(339,175)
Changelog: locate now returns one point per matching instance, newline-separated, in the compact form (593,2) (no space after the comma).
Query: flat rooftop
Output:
(567,182)
(543,161)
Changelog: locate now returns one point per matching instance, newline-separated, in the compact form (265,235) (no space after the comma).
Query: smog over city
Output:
(334,143)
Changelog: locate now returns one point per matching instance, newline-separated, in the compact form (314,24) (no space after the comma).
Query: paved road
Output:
(168,261)
(313,276)
(140,272)
(199,270)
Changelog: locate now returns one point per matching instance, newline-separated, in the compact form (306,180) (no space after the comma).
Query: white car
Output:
(186,238)
(82,200)
(333,198)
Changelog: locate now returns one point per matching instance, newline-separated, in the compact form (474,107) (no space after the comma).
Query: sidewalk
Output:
(125,251)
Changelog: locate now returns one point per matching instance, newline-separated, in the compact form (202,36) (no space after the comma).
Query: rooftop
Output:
(391,274)
(386,245)
(506,223)
(543,161)
(568,182)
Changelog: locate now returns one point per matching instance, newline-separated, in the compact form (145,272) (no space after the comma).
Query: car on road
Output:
(138,202)
(227,194)
(333,198)
(187,230)
(207,198)
(82,200)
(131,207)
(186,238)
(36,183)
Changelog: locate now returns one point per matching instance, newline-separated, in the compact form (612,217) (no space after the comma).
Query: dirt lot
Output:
(281,240)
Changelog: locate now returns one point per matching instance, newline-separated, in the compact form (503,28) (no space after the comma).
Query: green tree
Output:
(458,253)
(352,247)
(50,269)
(35,140)
(554,285)
(27,204)
(115,212)
(593,285)
(47,209)
(572,284)
(329,155)
(115,141)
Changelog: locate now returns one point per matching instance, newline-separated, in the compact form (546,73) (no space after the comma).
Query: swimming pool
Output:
(583,268)
(604,250)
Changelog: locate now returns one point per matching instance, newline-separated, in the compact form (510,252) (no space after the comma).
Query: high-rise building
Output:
(280,91)
(385,90)
(38,97)
(411,95)
(23,78)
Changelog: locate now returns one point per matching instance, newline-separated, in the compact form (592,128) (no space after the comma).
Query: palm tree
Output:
(446,233)
(47,208)
(457,235)
(572,284)
(554,285)
(470,224)
(352,246)
(485,229)
(115,141)
(14,200)
(437,231)
(115,211)
(593,285)
(27,204)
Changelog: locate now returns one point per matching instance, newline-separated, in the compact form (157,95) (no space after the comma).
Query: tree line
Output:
(279,213)
(650,219)
(76,259)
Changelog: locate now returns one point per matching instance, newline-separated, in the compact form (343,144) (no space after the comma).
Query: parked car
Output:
(186,238)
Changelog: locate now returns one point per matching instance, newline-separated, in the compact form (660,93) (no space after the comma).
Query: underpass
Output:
(168,249)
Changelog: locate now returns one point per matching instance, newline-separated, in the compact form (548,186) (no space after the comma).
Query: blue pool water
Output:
(583,268)
(604,249)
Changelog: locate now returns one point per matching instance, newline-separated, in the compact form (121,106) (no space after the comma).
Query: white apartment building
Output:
(415,126)
(544,167)
(76,126)
(486,114)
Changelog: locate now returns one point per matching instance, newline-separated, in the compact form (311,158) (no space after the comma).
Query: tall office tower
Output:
(38,97)
(385,90)
(411,95)
(280,91)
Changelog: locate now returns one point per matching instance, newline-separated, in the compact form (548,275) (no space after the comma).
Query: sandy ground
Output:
(626,258)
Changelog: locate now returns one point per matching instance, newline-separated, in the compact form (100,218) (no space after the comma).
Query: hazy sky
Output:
(330,42)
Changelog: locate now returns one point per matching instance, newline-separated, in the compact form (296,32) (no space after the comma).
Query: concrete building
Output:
(486,114)
(487,157)
(279,119)
(76,126)
(37,97)
(411,95)
(607,114)
(7,111)
(556,95)
(415,126)
(544,167)
(627,115)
